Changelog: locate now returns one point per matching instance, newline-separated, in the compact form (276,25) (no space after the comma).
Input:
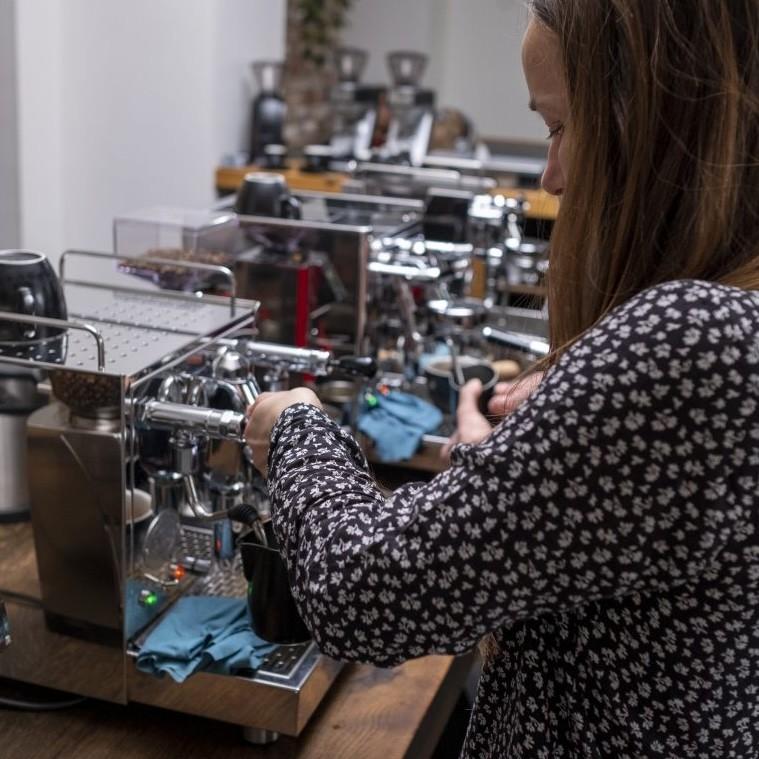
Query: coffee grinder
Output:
(413,108)
(268,108)
(354,106)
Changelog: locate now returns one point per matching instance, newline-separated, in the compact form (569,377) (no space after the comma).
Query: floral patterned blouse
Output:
(606,533)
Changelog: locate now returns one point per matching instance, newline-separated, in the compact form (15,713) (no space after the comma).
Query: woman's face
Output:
(541,61)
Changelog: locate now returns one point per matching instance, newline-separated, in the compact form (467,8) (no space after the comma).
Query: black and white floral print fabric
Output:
(606,533)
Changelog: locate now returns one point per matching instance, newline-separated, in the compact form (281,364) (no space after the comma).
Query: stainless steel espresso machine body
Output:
(311,278)
(309,274)
(134,466)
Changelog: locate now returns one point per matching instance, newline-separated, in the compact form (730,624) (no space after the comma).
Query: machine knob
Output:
(231,365)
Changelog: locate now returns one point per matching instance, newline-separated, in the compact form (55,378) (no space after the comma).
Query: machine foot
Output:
(259,736)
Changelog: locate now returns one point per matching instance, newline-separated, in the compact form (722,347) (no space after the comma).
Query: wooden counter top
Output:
(369,713)
(228,179)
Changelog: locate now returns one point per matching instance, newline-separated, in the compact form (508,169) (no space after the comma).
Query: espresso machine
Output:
(417,259)
(395,278)
(139,482)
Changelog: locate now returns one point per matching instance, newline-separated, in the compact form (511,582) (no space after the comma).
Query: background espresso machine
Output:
(136,464)
(397,279)
(310,276)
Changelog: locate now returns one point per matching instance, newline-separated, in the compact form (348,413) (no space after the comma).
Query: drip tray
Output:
(284,665)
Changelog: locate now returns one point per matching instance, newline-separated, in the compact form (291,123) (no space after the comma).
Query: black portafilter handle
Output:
(353,366)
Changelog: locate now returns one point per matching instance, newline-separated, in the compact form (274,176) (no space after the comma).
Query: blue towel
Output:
(200,633)
(397,423)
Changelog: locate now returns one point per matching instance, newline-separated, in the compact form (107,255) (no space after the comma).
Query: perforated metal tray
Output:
(139,330)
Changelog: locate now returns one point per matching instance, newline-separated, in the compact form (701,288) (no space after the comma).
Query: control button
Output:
(147,598)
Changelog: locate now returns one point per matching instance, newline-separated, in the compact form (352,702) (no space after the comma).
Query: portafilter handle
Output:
(308,360)
(537,346)
(354,366)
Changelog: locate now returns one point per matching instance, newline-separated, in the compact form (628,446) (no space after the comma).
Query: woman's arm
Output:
(623,473)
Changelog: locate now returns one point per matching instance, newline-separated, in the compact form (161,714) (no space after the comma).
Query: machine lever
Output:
(517,341)
(214,423)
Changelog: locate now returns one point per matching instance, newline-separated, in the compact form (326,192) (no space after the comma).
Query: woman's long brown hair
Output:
(663,137)
(663,181)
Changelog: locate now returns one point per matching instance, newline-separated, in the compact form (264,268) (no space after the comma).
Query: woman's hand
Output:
(262,416)
(509,396)
(471,425)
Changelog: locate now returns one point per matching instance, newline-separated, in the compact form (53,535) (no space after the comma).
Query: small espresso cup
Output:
(486,374)
(29,286)
(266,194)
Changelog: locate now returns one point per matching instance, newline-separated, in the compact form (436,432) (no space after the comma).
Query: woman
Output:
(605,536)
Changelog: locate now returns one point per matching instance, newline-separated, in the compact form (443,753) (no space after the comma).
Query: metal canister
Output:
(18,398)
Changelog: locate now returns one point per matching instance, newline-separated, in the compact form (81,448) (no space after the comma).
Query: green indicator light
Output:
(151,599)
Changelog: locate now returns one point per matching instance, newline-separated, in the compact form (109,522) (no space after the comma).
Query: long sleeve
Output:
(626,472)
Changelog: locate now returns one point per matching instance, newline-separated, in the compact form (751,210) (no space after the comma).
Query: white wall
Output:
(9,220)
(474,48)
(130,104)
(381,26)
(245,30)
(480,54)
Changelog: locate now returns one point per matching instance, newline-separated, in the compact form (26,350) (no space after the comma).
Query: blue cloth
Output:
(397,423)
(203,633)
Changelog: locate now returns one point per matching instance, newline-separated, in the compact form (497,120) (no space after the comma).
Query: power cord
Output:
(39,706)
(20,704)
(21,598)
